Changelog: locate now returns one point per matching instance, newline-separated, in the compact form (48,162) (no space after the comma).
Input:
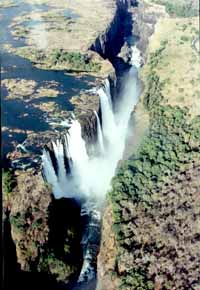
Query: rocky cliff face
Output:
(46,232)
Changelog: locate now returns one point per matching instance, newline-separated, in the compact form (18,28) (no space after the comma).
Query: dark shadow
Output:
(115,39)
(13,276)
(65,228)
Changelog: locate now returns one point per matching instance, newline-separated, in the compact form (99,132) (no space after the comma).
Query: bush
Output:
(18,221)
(185,38)
(136,280)
(75,60)
(8,182)
(52,265)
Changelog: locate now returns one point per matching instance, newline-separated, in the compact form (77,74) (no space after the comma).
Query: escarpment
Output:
(46,235)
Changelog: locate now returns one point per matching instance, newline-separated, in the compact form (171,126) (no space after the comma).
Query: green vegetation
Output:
(17,221)
(50,264)
(172,144)
(74,60)
(162,153)
(60,59)
(8,183)
(185,38)
(178,9)
(155,57)
(136,280)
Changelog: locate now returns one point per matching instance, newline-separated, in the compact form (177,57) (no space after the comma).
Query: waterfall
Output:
(107,91)
(99,134)
(59,154)
(77,146)
(108,121)
(90,175)
(50,174)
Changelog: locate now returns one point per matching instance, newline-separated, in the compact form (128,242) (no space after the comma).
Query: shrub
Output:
(75,60)
(52,265)
(8,182)
(185,38)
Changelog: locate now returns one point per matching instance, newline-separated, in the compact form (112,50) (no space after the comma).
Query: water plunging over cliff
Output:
(99,134)
(89,176)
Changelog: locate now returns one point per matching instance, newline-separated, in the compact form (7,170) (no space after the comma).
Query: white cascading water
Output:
(108,121)
(59,154)
(50,174)
(99,134)
(90,176)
